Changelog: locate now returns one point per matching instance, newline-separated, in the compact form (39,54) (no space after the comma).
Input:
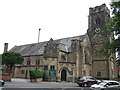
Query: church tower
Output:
(98,18)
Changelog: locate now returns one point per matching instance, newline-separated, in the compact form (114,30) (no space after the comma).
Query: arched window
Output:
(37,62)
(28,62)
(97,21)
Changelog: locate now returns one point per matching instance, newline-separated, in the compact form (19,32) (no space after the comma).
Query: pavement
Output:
(24,84)
(20,80)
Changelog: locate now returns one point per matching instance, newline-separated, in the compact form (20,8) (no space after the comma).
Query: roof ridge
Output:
(38,48)
(71,37)
(48,40)
(31,44)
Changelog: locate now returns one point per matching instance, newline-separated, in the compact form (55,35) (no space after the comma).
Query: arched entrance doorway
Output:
(63,75)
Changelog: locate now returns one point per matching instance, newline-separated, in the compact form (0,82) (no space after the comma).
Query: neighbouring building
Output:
(118,54)
(68,58)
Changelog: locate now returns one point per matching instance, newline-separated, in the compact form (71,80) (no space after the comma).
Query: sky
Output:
(20,20)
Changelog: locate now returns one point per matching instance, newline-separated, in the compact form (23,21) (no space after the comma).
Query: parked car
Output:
(87,81)
(2,82)
(106,85)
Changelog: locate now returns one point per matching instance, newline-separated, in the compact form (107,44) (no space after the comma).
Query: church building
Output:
(68,58)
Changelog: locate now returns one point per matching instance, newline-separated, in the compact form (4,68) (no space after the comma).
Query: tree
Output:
(10,59)
(113,27)
(36,73)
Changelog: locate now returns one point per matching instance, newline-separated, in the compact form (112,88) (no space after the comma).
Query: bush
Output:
(36,73)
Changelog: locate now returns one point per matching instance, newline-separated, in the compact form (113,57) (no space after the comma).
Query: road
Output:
(24,84)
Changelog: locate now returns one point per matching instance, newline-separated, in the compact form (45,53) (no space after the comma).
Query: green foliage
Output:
(110,47)
(115,20)
(36,73)
(113,27)
(11,58)
(105,50)
(118,62)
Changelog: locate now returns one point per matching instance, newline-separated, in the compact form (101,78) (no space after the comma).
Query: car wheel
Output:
(85,84)
(80,85)
(3,83)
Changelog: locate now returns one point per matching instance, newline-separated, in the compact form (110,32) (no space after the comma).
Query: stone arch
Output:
(63,71)
(63,75)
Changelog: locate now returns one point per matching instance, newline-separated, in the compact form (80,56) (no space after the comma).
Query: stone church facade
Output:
(68,58)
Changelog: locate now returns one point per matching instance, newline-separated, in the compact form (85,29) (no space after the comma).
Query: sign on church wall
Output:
(52,73)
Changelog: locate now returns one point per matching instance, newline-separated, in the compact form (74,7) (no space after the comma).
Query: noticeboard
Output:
(71,72)
(52,73)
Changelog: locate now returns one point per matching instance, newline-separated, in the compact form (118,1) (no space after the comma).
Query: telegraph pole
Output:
(39,34)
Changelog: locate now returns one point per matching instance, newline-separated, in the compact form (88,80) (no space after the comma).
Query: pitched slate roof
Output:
(38,48)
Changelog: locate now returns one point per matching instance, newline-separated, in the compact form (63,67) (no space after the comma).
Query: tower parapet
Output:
(98,9)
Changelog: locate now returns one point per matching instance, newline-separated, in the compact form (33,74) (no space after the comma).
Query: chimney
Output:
(5,47)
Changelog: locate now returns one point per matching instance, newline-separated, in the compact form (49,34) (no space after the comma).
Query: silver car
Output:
(106,85)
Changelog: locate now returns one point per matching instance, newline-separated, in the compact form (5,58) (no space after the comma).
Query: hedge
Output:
(36,73)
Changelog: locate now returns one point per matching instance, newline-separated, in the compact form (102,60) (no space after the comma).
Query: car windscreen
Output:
(102,83)
(90,78)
